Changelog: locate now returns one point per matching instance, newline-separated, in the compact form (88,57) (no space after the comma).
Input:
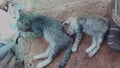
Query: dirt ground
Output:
(61,10)
(105,58)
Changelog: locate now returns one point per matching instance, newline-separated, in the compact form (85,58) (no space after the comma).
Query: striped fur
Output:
(113,38)
(93,25)
(43,26)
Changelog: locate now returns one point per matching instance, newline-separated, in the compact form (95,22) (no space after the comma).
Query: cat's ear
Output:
(21,13)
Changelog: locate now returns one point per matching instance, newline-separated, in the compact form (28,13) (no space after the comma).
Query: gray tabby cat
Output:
(52,31)
(113,39)
(94,25)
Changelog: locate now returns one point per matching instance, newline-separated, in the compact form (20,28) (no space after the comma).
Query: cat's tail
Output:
(113,38)
(66,57)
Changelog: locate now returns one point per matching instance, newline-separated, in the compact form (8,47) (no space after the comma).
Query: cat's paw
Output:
(94,51)
(88,50)
(74,49)
(91,54)
(36,57)
(40,65)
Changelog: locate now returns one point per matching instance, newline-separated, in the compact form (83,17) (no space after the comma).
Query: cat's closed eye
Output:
(65,24)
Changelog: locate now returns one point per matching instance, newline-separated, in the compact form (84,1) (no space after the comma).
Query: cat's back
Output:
(93,23)
(45,21)
(53,30)
(92,19)
(49,25)
(52,25)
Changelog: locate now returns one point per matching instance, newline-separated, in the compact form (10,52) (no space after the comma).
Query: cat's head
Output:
(23,23)
(69,25)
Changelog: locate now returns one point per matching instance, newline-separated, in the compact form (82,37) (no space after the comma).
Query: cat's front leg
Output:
(47,61)
(77,41)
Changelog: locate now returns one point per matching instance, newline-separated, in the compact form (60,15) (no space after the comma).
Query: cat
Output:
(93,25)
(51,30)
(113,38)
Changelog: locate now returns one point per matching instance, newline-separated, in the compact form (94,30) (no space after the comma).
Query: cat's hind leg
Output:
(93,45)
(43,55)
(48,60)
(98,43)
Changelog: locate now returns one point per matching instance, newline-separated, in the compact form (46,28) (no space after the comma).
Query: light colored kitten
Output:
(94,25)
